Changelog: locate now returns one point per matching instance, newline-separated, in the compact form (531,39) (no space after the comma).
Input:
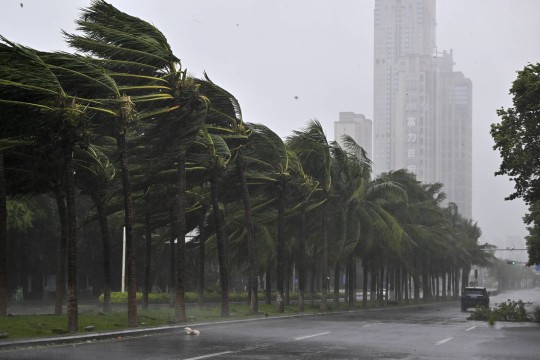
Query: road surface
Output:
(428,332)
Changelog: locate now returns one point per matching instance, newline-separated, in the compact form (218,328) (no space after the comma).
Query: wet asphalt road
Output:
(429,332)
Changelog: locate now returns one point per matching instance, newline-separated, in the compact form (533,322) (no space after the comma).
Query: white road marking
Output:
(471,328)
(210,355)
(443,341)
(373,324)
(310,336)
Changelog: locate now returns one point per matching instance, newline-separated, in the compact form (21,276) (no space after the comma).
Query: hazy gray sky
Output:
(268,52)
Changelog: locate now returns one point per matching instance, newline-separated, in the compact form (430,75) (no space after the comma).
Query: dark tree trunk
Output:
(172,256)
(250,236)
(444,296)
(202,257)
(72,305)
(302,262)
(280,250)
(128,223)
(287,281)
(324,277)
(406,285)
(337,270)
(426,285)
(365,277)
(180,218)
(380,296)
(222,247)
(3,240)
(60,196)
(351,281)
(268,288)
(373,283)
(100,202)
(147,253)
(314,276)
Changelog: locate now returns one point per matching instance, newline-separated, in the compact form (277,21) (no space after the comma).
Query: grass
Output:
(32,326)
(29,326)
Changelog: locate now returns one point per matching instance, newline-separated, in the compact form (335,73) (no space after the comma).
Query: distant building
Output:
(454,134)
(357,127)
(422,113)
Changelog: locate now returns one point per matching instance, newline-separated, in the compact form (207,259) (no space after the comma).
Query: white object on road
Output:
(190,331)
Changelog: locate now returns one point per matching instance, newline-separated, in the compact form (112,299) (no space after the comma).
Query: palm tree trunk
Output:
(268,288)
(3,240)
(280,250)
(325,277)
(302,262)
(60,196)
(172,256)
(313,278)
(250,236)
(426,288)
(180,218)
(202,257)
(365,279)
(72,306)
(406,285)
(105,238)
(128,223)
(287,272)
(222,247)
(351,281)
(337,270)
(147,255)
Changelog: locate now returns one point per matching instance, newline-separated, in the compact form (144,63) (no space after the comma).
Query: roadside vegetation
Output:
(115,153)
(510,310)
(160,313)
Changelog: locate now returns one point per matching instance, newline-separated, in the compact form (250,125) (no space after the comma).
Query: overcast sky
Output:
(289,61)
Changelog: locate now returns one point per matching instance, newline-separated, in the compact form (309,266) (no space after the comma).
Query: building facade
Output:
(422,115)
(357,127)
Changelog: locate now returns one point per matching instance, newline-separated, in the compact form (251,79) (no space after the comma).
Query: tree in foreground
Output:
(516,137)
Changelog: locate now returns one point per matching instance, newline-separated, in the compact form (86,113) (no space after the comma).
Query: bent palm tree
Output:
(137,55)
(43,85)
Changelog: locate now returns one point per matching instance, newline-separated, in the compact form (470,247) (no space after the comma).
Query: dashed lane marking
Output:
(471,328)
(443,341)
(310,336)
(210,355)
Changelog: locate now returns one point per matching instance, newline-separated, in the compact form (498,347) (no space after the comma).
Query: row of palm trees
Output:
(121,122)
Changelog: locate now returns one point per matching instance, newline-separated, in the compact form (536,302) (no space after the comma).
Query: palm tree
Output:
(212,153)
(141,61)
(94,175)
(313,151)
(225,119)
(44,83)
(271,164)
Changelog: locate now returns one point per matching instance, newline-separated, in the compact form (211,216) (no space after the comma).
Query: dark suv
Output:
(473,296)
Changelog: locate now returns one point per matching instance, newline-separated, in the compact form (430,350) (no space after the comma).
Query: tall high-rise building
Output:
(422,114)
(357,127)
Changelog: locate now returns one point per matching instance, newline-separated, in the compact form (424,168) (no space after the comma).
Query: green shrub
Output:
(121,298)
(510,310)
